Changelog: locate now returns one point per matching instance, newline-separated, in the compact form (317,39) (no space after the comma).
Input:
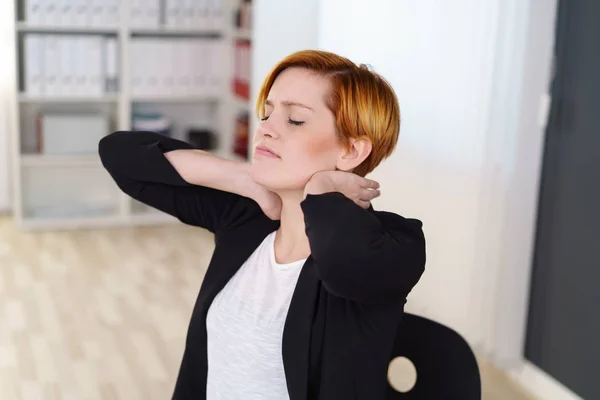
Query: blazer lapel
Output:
(297,332)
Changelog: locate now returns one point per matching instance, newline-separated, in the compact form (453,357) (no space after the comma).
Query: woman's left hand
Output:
(358,189)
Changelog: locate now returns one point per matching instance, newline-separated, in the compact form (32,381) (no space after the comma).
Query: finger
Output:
(363,203)
(369,184)
(369,194)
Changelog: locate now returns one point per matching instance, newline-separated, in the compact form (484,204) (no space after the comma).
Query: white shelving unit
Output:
(74,191)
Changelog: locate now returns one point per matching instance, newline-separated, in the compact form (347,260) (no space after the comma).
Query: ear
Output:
(357,152)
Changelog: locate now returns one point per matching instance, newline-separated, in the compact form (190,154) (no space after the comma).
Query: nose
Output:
(269,134)
(266,130)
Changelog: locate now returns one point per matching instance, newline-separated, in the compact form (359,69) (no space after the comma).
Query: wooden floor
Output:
(102,314)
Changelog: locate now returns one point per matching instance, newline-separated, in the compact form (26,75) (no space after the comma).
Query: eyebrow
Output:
(289,104)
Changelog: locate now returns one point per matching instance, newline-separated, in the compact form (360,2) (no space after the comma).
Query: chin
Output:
(276,179)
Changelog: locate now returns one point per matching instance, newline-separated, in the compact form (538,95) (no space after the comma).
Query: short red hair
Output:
(363,103)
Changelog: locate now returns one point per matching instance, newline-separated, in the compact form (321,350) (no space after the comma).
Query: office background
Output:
(474,82)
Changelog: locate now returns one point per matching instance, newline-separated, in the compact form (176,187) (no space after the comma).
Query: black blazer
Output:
(351,292)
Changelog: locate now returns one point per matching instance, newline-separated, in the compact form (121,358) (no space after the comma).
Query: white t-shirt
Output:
(245,329)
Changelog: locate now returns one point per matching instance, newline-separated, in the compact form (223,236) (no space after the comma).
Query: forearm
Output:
(201,168)
(360,256)
(171,176)
(148,157)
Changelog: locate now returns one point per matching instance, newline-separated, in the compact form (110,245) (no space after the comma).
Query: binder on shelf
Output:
(151,12)
(147,62)
(144,67)
(97,13)
(216,14)
(153,67)
(215,75)
(187,14)
(112,15)
(243,15)
(189,65)
(52,66)
(66,69)
(33,47)
(200,70)
(135,68)
(111,65)
(176,67)
(144,13)
(49,10)
(57,66)
(94,66)
(73,13)
(173,13)
(241,79)
(68,16)
(80,12)
(183,70)
(33,12)
(58,14)
(194,14)
(246,68)
(80,71)
(161,68)
(135,13)
(200,18)
(241,136)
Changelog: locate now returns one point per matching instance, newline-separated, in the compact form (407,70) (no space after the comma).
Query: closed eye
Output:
(290,121)
(297,123)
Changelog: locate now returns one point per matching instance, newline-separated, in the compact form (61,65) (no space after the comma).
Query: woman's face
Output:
(297,137)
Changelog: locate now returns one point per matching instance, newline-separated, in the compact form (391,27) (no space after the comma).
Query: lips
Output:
(266,151)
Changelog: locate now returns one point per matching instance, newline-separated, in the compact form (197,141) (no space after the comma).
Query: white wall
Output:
(439,62)
(7,80)
(470,148)
(532,25)
(279,29)
(4,161)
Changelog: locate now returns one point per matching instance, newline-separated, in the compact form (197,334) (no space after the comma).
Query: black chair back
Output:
(445,364)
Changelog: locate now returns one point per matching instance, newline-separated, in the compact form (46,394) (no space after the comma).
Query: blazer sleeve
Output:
(136,162)
(363,255)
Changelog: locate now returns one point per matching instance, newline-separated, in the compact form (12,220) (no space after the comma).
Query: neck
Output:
(291,242)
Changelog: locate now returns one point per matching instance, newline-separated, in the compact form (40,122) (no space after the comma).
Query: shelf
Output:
(30,28)
(64,191)
(56,212)
(54,223)
(43,160)
(98,221)
(175,99)
(151,218)
(108,98)
(243,34)
(166,31)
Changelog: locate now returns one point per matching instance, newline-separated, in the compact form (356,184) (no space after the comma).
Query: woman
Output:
(307,283)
